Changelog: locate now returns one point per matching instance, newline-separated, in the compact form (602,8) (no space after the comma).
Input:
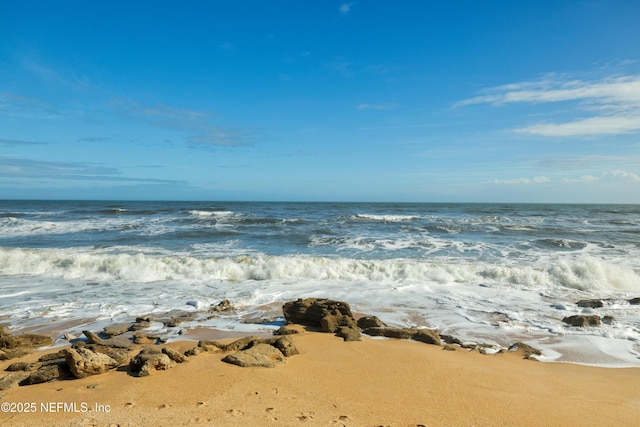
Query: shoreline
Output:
(370,382)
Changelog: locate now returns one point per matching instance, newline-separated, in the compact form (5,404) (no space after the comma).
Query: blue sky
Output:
(420,101)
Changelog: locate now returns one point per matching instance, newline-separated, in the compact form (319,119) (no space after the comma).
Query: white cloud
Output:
(534,180)
(614,100)
(620,175)
(601,125)
(345,8)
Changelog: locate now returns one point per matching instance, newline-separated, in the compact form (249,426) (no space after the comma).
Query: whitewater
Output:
(485,273)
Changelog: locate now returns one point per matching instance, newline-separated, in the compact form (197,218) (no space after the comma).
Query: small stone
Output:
(591,303)
(367,322)
(582,320)
(285,330)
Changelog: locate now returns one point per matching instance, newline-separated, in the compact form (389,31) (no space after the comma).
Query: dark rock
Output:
(285,330)
(223,306)
(83,362)
(370,322)
(13,379)
(259,355)
(149,360)
(141,323)
(389,332)
(634,301)
(174,355)
(23,366)
(93,338)
(331,322)
(117,329)
(311,311)
(427,336)
(240,344)
(285,345)
(52,356)
(210,346)
(23,341)
(582,320)
(13,353)
(591,303)
(608,320)
(526,349)
(46,373)
(348,333)
(193,352)
(450,339)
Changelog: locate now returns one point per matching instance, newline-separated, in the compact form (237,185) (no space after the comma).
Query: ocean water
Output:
(485,273)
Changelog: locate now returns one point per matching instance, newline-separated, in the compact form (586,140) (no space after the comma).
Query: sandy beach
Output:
(333,383)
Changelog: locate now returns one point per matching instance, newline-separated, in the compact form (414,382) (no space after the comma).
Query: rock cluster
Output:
(12,346)
(326,314)
(253,351)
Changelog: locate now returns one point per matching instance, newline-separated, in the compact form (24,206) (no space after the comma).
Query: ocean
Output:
(484,273)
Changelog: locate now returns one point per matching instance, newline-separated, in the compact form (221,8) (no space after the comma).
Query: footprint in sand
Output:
(235,412)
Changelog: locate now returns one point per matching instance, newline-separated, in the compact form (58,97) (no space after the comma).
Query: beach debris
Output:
(259,355)
(527,351)
(590,303)
(84,362)
(148,360)
(326,314)
(582,320)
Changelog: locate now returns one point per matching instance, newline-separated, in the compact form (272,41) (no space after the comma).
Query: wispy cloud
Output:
(12,167)
(616,175)
(199,126)
(345,8)
(611,105)
(15,105)
(19,142)
(377,107)
(520,181)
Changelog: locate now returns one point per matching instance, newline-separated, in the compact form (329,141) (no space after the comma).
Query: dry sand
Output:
(333,383)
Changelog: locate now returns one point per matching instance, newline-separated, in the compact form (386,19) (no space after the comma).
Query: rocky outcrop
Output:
(582,320)
(149,360)
(174,355)
(428,336)
(259,355)
(12,346)
(367,322)
(84,362)
(13,379)
(634,301)
(326,314)
(390,332)
(57,370)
